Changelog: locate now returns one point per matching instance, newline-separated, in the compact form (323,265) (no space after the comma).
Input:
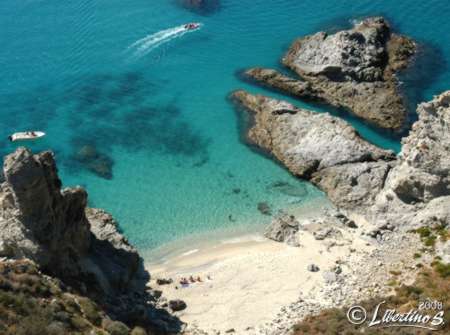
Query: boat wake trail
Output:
(145,45)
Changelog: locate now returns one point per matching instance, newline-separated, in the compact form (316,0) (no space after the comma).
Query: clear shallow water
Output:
(162,117)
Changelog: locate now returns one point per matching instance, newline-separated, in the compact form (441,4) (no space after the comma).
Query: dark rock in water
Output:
(201,162)
(231,218)
(236,190)
(94,161)
(264,208)
(298,190)
(86,153)
(203,7)
(177,305)
(283,228)
(102,166)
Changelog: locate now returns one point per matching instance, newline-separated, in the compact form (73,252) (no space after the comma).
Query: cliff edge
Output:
(53,229)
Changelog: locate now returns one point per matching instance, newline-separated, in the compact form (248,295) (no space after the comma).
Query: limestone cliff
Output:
(80,246)
(417,189)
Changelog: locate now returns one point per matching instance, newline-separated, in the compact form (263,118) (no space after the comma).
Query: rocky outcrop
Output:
(284,228)
(417,189)
(407,191)
(80,246)
(39,220)
(275,79)
(318,147)
(355,184)
(354,69)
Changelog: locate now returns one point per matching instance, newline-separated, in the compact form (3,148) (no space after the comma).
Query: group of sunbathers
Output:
(191,280)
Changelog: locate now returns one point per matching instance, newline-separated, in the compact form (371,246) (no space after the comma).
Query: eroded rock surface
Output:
(80,246)
(417,189)
(284,228)
(407,191)
(354,69)
(275,79)
(319,147)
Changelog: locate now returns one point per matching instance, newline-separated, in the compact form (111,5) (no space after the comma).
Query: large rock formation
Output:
(319,147)
(80,246)
(354,69)
(39,221)
(417,189)
(408,191)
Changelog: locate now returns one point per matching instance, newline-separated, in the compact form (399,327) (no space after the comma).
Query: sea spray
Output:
(144,46)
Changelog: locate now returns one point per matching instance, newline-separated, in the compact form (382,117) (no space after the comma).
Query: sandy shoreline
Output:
(252,278)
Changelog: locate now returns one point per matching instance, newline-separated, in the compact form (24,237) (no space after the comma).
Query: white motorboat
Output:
(26,135)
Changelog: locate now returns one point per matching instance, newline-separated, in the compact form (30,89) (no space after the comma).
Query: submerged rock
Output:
(299,190)
(94,161)
(203,7)
(354,69)
(264,208)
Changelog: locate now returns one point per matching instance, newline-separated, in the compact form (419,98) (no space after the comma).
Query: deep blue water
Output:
(85,72)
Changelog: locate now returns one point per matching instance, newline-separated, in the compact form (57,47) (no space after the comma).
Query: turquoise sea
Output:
(118,78)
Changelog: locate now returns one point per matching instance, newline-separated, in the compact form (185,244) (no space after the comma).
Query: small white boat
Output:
(26,135)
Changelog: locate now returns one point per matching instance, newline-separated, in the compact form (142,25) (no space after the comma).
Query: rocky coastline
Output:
(353,69)
(402,192)
(70,263)
(379,197)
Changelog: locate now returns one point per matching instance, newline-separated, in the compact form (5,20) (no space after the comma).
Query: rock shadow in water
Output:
(298,190)
(122,111)
(202,7)
(100,113)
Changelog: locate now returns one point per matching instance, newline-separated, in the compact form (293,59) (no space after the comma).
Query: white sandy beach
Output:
(252,278)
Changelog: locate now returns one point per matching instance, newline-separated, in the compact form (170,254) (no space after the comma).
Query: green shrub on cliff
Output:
(34,304)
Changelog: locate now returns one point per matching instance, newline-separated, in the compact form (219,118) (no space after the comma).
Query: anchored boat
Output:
(26,135)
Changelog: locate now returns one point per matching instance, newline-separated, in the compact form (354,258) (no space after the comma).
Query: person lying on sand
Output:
(184,281)
(192,279)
